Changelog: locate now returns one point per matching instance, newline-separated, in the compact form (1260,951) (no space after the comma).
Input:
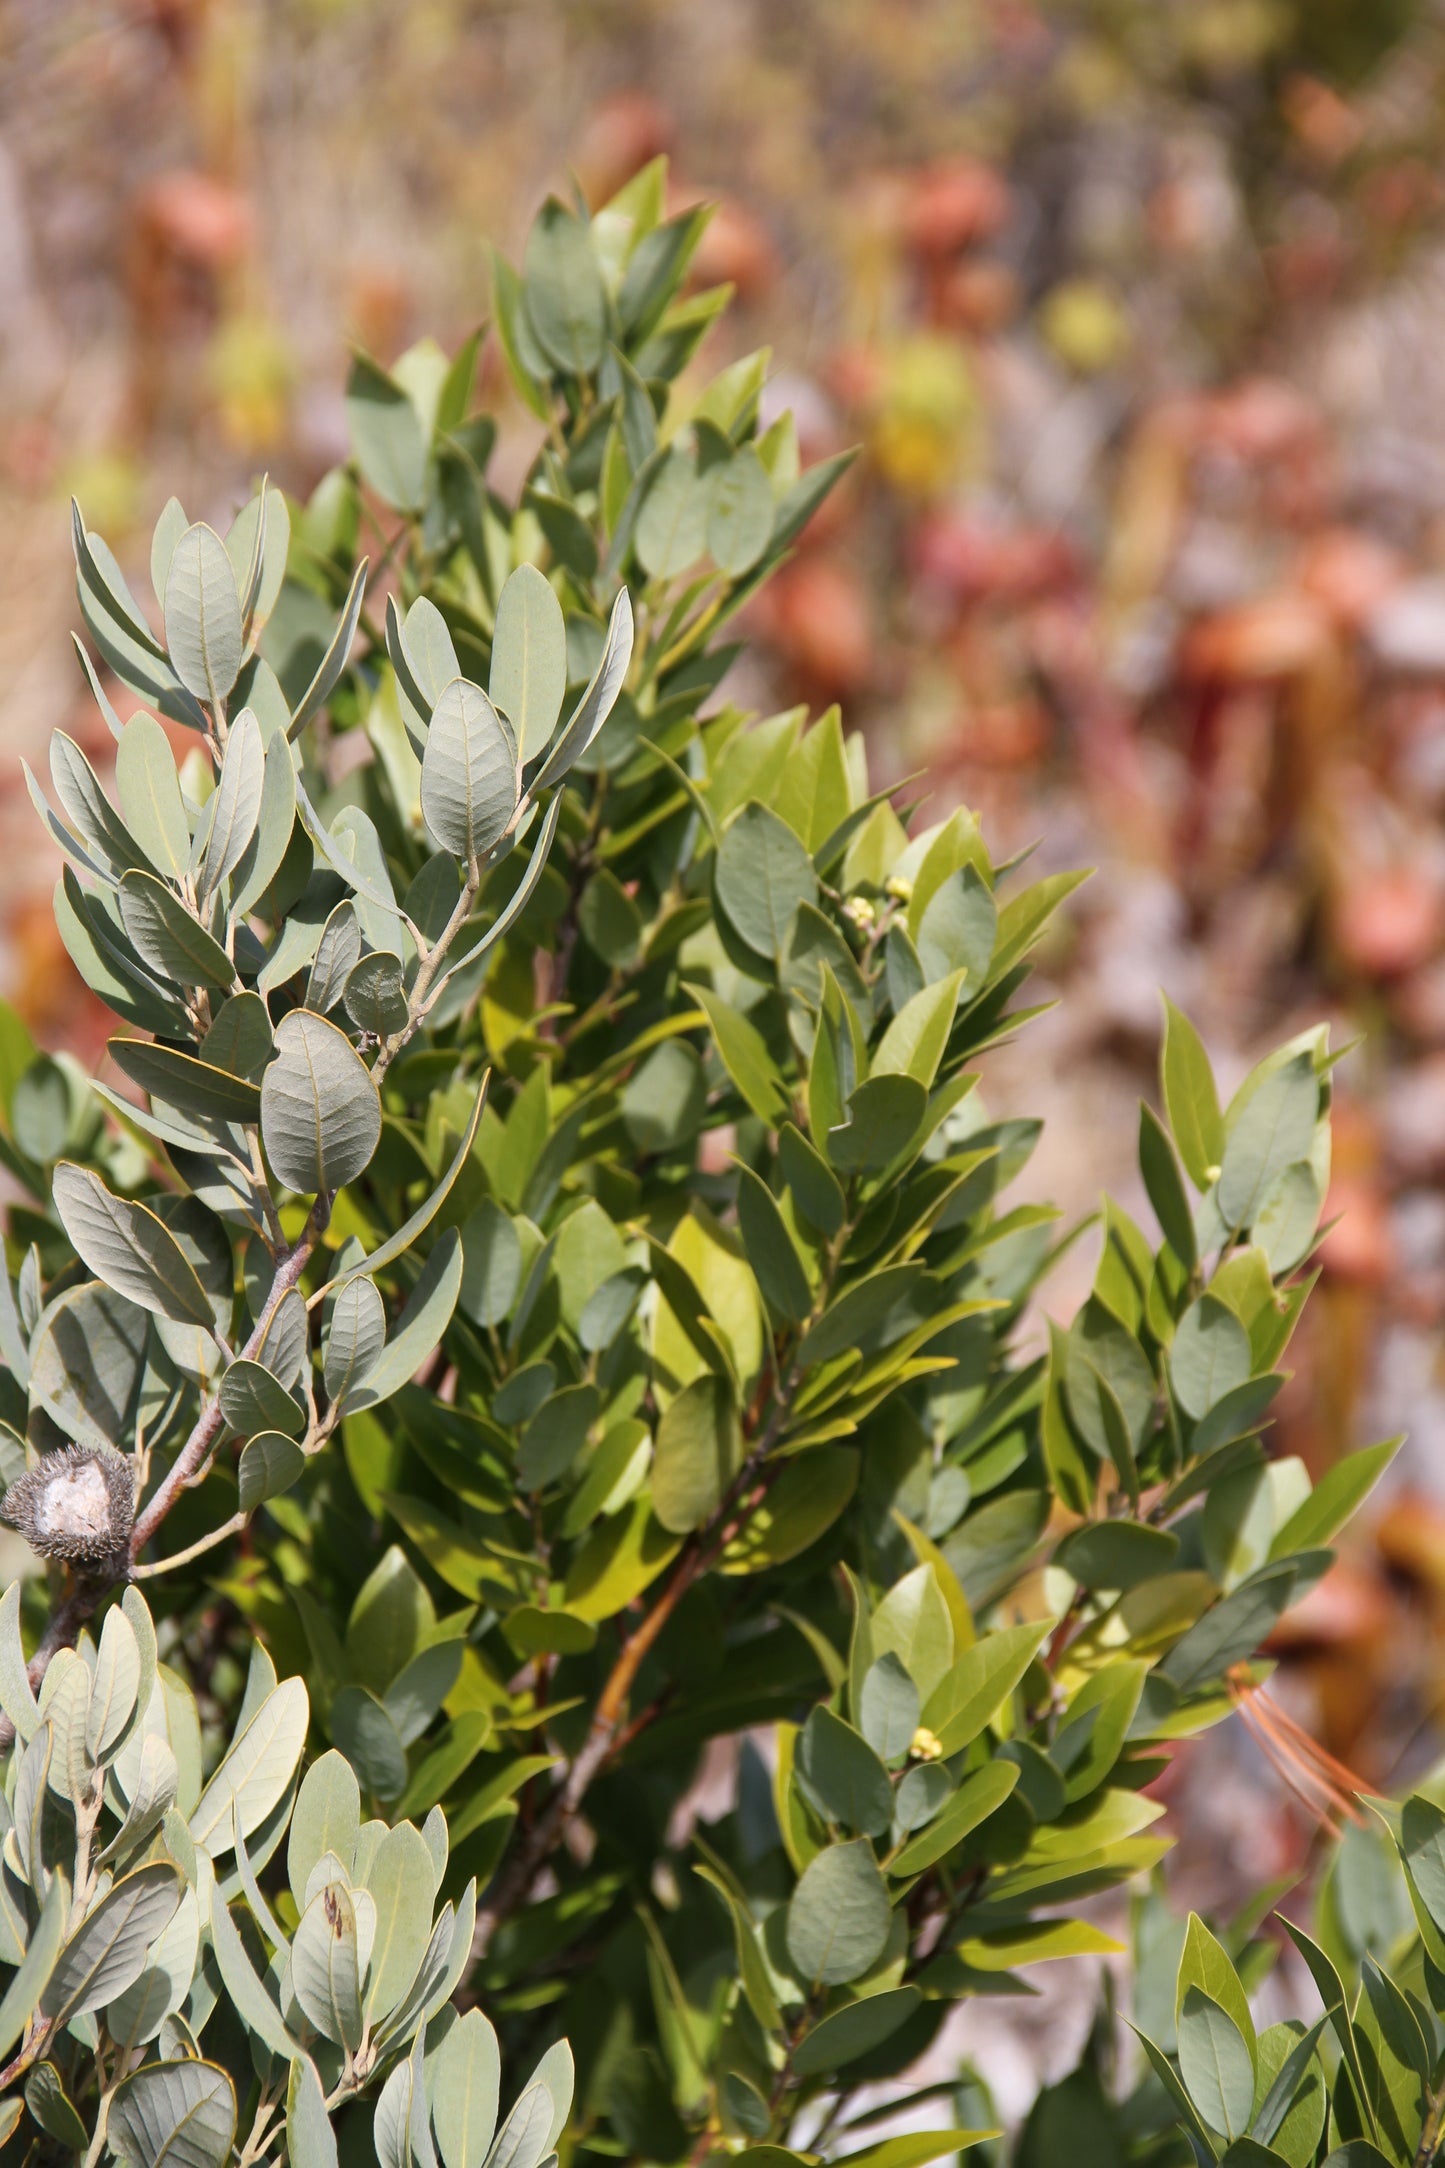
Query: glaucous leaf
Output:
(468,773)
(128,1247)
(203,616)
(174,2115)
(320,1114)
(838,1916)
(529,659)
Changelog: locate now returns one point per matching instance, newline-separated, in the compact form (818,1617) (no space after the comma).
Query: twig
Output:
(85,1598)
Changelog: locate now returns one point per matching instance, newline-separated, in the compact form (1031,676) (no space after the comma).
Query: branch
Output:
(87,1595)
(609,1730)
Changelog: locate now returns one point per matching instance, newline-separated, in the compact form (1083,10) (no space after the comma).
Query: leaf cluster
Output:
(559,1290)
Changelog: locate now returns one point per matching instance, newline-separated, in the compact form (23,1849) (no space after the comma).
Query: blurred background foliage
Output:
(1136,310)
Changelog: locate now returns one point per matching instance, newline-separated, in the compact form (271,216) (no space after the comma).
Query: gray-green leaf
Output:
(468,773)
(320,1114)
(128,1247)
(174,2115)
(529,658)
(236,806)
(168,938)
(108,1949)
(838,1916)
(203,616)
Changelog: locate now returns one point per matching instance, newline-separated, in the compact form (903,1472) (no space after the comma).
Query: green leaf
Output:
(655,270)
(752,1965)
(128,1247)
(386,434)
(114,1688)
(854,2030)
(1284,1226)
(566,302)
(1210,1356)
(86,806)
(958,930)
(1205,1964)
(814,1185)
(761,877)
(915,1623)
(859,1310)
(1104,1356)
(672,524)
(1116,1554)
(841,1775)
(404,1237)
(167,939)
(309,2135)
(365,1733)
(251,2001)
(805,1500)
(1215,2064)
(698,1453)
(738,512)
(978,1797)
(770,1248)
(1190,1099)
(204,634)
(492,1264)
(838,1916)
(239,1040)
(468,773)
(1165,1185)
(1233,1630)
(610,920)
(556,1435)
(916,2148)
(620,1558)
(745,1056)
(102,576)
(884,1116)
(108,1950)
(979,1681)
(180,1080)
(914,1043)
(529,659)
(1275,1127)
(1335,1499)
(1095,1725)
(320,1114)
(176,2115)
(888,1707)
(418,1330)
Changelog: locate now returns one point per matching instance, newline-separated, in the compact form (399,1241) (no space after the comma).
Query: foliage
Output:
(588,1086)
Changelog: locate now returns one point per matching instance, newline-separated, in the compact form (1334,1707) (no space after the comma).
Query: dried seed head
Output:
(76,1505)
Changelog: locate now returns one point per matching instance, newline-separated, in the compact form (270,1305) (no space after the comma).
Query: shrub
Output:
(559,1292)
